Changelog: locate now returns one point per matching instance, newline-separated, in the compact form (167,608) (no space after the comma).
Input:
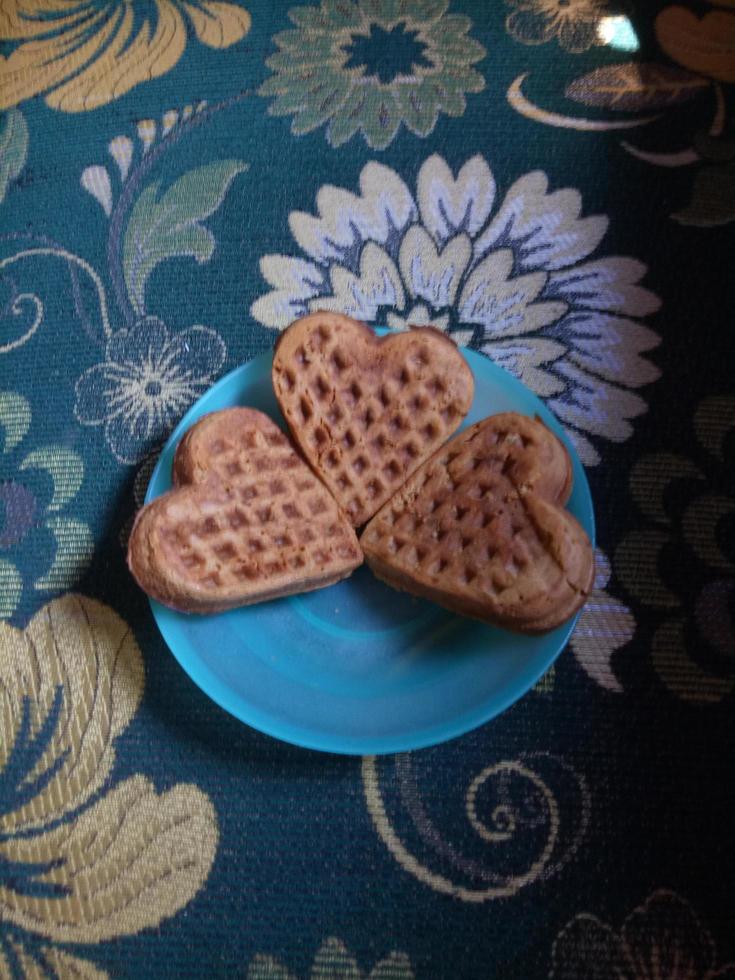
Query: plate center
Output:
(362,605)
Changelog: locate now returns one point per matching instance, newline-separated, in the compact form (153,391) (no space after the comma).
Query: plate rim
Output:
(284,730)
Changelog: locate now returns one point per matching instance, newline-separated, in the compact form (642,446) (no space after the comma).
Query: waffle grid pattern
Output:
(467,522)
(367,437)
(259,520)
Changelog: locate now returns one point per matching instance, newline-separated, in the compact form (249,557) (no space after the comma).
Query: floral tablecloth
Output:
(551,182)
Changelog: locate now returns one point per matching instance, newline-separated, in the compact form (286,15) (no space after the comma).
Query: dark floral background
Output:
(550,182)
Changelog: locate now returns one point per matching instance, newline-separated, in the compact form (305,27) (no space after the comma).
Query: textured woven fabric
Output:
(551,182)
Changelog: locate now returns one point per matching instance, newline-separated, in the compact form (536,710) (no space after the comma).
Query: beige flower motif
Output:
(573,23)
(83,860)
(84,55)
(663,938)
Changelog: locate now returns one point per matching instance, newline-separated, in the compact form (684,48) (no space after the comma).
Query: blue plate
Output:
(359,668)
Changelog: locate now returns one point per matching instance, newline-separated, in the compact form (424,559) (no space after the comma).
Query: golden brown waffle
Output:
(367,411)
(248,522)
(481,529)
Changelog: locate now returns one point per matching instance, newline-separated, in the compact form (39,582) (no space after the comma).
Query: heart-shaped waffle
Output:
(248,521)
(481,529)
(367,411)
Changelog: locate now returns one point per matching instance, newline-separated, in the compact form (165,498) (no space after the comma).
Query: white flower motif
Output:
(513,278)
(604,626)
(145,383)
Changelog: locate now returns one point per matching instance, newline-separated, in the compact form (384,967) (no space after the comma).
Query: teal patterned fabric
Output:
(551,182)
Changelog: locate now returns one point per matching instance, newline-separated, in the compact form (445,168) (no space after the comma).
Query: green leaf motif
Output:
(546,684)
(168,225)
(633,86)
(713,198)
(15,418)
(333,961)
(74,551)
(11,587)
(396,966)
(65,468)
(13,148)
(267,968)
